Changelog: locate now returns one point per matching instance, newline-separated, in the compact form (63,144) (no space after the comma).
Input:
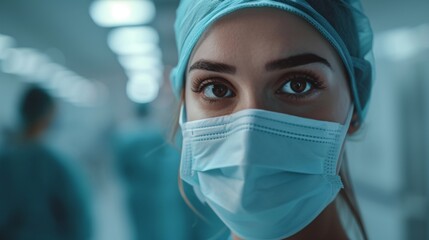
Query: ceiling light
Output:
(113,13)
(142,90)
(140,62)
(134,40)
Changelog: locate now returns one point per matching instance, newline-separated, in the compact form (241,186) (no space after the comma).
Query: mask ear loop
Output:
(343,136)
(182,116)
(182,121)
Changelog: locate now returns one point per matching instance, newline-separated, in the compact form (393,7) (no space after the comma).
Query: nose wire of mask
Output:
(267,175)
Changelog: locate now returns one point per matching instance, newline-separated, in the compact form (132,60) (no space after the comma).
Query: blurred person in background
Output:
(147,165)
(41,194)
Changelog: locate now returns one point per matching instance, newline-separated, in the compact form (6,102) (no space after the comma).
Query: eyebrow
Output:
(289,62)
(213,67)
(295,61)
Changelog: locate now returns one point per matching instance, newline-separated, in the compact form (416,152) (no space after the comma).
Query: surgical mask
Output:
(267,175)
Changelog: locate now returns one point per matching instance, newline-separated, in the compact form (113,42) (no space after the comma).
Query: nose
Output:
(254,99)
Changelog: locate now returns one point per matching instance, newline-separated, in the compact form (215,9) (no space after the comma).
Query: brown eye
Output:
(215,91)
(297,86)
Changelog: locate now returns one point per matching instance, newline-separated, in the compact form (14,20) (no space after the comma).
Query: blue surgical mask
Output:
(267,175)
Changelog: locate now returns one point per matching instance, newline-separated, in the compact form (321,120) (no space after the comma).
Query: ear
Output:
(354,124)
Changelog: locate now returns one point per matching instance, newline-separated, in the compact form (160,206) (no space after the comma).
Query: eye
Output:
(300,84)
(297,86)
(216,91)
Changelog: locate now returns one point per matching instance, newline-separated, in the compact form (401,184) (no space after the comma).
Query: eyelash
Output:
(199,84)
(309,76)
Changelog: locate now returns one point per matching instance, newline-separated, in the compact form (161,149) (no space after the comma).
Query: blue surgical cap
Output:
(341,22)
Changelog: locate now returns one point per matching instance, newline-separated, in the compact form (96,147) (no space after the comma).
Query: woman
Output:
(270,89)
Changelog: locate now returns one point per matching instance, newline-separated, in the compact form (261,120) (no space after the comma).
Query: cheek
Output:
(191,108)
(338,101)
(332,105)
(194,110)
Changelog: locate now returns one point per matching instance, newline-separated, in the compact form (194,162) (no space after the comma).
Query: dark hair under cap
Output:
(36,103)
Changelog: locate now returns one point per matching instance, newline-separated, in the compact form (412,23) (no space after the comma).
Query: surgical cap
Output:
(341,22)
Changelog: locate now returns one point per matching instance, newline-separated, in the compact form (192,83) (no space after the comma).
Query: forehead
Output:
(262,32)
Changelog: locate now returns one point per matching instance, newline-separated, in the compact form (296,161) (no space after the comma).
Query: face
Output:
(265,59)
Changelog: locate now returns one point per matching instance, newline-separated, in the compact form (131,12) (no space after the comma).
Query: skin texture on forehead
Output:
(249,39)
